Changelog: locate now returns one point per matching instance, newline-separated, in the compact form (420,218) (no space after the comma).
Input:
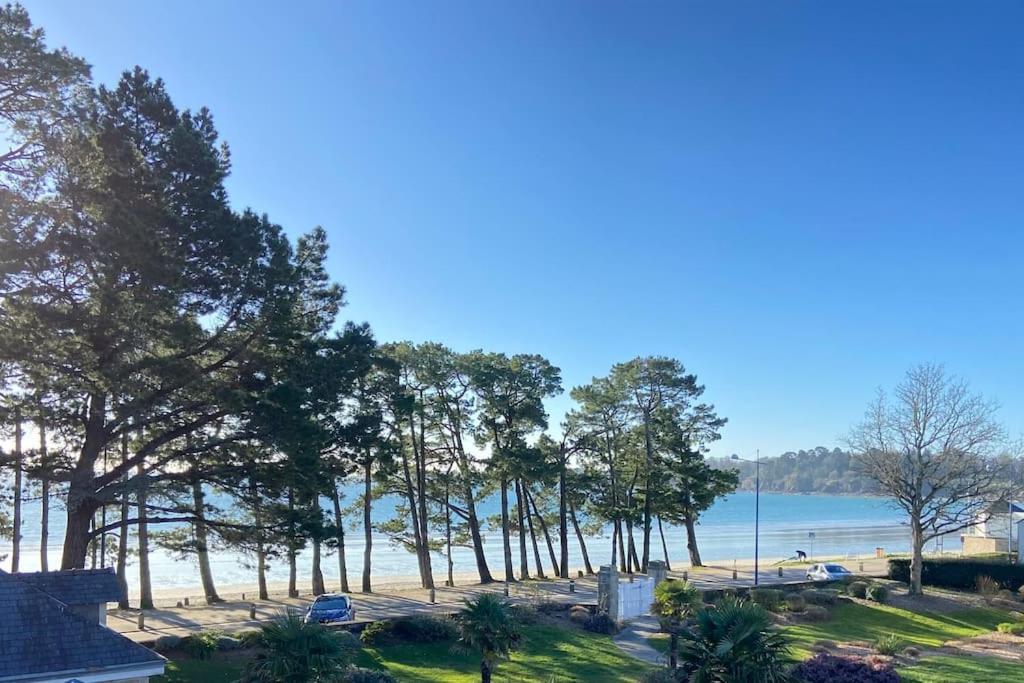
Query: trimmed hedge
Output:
(961,574)
(878,593)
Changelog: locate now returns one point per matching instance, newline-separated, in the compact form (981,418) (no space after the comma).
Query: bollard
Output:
(243,597)
(862,567)
(572,586)
(432,596)
(735,575)
(780,571)
(180,603)
(186,602)
(506,589)
(252,612)
(686,575)
(142,620)
(579,573)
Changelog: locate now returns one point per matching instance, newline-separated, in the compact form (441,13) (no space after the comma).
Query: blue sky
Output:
(798,200)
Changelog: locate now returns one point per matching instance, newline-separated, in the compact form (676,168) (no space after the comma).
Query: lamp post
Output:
(757,507)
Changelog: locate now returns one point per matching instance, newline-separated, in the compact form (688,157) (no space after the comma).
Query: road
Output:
(233,616)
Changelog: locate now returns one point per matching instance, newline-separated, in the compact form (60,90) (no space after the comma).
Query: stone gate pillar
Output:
(657,570)
(608,591)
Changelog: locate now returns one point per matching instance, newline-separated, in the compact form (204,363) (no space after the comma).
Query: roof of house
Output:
(40,634)
(76,586)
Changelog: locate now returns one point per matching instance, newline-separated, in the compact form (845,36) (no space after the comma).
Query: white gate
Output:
(635,597)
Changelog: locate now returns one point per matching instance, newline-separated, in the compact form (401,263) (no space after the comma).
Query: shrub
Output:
(888,645)
(227,643)
(769,598)
(1012,627)
(960,574)
(167,643)
(579,614)
(601,623)
(200,645)
(829,668)
(986,585)
(734,637)
(825,597)
(296,651)
(423,629)
(525,614)
(376,633)
(878,593)
(858,589)
(660,676)
(1007,595)
(816,613)
(251,638)
(795,602)
(357,674)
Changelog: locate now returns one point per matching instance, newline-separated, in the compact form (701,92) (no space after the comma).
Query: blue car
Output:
(330,608)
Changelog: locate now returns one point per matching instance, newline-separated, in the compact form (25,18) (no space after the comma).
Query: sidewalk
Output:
(632,640)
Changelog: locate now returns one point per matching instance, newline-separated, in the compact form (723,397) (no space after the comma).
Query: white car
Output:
(828,572)
(330,608)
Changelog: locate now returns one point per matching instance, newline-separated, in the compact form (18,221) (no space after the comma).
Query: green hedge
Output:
(961,574)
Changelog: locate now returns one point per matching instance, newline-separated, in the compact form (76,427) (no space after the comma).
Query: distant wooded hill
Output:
(818,470)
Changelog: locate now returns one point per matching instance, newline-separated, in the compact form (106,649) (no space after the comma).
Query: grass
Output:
(944,669)
(197,671)
(547,653)
(855,621)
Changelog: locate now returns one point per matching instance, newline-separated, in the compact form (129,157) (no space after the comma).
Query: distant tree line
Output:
(818,470)
(157,344)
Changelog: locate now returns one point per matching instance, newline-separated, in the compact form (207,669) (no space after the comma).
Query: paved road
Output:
(234,615)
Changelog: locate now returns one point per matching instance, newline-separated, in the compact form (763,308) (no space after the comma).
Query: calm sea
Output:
(818,524)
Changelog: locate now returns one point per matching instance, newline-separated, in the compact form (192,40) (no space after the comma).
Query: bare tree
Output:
(930,447)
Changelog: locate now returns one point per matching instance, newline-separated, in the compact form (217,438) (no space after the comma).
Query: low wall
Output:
(982,545)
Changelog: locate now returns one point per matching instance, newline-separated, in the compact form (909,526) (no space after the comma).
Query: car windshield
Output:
(329,604)
(835,568)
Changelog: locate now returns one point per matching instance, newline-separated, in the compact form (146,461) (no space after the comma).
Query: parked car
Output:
(828,572)
(330,608)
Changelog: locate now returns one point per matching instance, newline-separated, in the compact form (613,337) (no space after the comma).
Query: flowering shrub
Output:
(826,668)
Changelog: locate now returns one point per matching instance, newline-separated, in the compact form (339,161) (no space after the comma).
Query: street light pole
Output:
(757,510)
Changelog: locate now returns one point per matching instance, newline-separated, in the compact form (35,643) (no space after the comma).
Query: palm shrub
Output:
(733,642)
(487,626)
(296,652)
(889,645)
(675,601)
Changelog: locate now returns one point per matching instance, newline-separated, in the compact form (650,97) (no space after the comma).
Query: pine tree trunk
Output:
(543,527)
(421,496)
(485,672)
(506,539)
(583,544)
(145,580)
(634,562)
(261,553)
(524,560)
(18,467)
(533,535)
(563,524)
(44,485)
(340,526)
(448,536)
(202,541)
(647,490)
(367,524)
(122,532)
(318,575)
(293,588)
(664,546)
(466,473)
(691,542)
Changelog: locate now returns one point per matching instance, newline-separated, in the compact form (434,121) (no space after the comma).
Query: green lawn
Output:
(547,653)
(856,621)
(963,670)
(211,671)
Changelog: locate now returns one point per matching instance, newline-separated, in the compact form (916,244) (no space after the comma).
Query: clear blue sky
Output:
(799,200)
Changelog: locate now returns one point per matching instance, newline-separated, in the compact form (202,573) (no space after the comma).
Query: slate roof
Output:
(76,586)
(40,634)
